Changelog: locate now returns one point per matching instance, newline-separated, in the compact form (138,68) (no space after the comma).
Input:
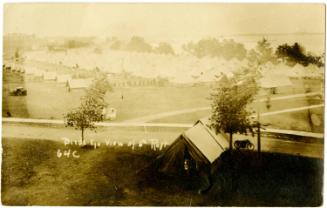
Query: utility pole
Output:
(258,132)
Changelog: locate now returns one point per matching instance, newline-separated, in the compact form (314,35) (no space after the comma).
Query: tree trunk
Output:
(259,134)
(259,161)
(230,142)
(231,161)
(82,135)
(259,139)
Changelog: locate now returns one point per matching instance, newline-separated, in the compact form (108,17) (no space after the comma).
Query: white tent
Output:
(273,80)
(198,144)
(38,73)
(78,83)
(64,78)
(310,71)
(274,76)
(210,145)
(29,71)
(49,75)
(110,113)
(314,71)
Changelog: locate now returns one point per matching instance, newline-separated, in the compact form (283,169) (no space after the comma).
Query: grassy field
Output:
(300,120)
(33,174)
(50,100)
(15,105)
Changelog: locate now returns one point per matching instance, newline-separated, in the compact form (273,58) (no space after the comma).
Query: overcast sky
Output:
(167,21)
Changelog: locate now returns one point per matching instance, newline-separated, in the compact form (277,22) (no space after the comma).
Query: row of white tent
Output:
(68,79)
(280,75)
(297,71)
(270,75)
(179,69)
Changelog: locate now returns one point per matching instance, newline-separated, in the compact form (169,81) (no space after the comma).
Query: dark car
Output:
(19,91)
(243,144)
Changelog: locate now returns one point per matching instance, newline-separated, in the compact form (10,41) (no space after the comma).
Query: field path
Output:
(152,117)
(166,114)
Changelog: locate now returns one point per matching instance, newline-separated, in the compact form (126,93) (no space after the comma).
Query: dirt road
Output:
(138,133)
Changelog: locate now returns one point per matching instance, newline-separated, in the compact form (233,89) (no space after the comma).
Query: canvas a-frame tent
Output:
(199,144)
(276,82)
(78,83)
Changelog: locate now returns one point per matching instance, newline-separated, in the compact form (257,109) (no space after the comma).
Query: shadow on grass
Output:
(32,174)
(245,180)
(274,180)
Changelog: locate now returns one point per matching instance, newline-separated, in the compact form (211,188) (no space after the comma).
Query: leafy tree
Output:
(99,87)
(231,49)
(212,47)
(296,54)
(84,117)
(164,48)
(116,45)
(189,47)
(239,51)
(207,47)
(77,43)
(230,100)
(317,60)
(91,108)
(262,53)
(138,44)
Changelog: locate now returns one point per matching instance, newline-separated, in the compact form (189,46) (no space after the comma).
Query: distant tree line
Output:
(138,44)
(261,54)
(71,43)
(212,47)
(77,43)
(290,54)
(227,49)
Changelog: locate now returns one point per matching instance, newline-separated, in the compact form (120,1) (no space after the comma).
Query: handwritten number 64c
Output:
(67,153)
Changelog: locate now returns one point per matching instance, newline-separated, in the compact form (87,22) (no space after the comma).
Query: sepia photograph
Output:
(163,104)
